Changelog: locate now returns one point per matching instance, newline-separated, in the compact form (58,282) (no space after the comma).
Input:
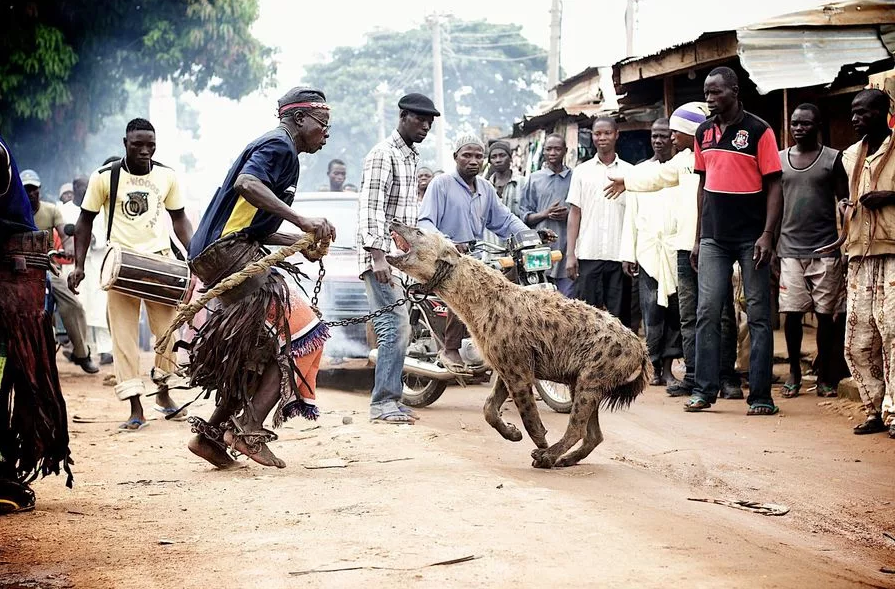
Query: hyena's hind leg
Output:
(582,407)
(592,438)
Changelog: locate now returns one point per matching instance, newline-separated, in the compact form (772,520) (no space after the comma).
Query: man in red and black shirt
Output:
(740,202)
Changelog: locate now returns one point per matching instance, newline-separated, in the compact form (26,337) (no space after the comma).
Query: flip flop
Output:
(762,409)
(408,412)
(393,418)
(791,390)
(181,414)
(827,391)
(696,404)
(133,425)
(453,367)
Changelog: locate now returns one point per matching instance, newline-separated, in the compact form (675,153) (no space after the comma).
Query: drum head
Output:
(111,265)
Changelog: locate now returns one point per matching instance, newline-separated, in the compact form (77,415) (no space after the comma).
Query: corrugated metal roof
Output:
(796,58)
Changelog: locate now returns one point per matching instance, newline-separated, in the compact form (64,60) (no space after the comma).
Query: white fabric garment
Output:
(70,212)
(649,233)
(676,174)
(599,235)
(92,297)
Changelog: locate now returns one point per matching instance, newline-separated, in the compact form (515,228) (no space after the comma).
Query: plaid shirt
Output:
(387,191)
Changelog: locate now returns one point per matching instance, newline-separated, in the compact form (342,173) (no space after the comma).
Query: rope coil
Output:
(309,247)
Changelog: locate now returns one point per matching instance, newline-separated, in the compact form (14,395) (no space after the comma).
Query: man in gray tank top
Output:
(813,180)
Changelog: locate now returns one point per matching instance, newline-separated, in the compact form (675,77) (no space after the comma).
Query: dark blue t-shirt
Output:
(271,158)
(15,208)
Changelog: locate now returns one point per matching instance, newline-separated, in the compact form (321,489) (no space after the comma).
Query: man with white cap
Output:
(70,211)
(389,191)
(461,206)
(678,173)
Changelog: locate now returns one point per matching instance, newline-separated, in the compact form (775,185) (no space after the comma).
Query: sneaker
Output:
(86,364)
(731,390)
(679,388)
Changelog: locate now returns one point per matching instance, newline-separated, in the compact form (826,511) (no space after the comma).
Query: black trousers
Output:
(599,284)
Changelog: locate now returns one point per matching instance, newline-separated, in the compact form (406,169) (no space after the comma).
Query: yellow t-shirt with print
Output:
(138,223)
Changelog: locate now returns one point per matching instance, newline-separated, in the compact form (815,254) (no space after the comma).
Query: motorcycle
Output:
(525,260)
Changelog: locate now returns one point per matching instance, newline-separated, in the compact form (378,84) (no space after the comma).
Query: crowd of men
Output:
(716,194)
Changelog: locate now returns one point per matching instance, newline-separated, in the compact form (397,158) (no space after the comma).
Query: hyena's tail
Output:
(623,395)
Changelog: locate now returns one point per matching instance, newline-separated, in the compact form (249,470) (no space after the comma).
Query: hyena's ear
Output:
(449,254)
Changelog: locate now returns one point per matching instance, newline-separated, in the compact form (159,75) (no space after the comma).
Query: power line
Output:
(500,34)
(484,45)
(483,58)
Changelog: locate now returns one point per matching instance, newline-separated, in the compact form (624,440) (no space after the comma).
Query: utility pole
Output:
(438,79)
(381,93)
(555,35)
(630,15)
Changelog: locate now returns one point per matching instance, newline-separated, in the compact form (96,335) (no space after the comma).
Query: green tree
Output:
(67,66)
(492,75)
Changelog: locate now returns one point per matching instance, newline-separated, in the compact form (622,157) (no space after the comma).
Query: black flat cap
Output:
(300,96)
(419,104)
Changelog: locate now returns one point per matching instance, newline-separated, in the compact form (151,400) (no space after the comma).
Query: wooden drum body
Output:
(150,277)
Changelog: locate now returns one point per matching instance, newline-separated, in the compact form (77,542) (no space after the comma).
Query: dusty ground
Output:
(145,513)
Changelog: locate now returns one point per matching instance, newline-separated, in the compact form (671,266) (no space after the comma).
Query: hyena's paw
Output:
(541,459)
(512,433)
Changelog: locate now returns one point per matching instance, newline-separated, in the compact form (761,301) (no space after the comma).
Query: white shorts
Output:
(812,284)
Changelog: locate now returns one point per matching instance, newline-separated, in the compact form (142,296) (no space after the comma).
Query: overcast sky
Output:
(593,33)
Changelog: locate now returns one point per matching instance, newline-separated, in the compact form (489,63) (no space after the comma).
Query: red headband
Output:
(320,105)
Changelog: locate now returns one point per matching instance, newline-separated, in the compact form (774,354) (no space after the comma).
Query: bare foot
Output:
(263,456)
(205,448)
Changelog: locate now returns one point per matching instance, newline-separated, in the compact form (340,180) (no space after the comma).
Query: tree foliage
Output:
(492,75)
(68,64)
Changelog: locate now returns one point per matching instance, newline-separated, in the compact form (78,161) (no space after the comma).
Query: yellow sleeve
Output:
(97,192)
(173,200)
(57,218)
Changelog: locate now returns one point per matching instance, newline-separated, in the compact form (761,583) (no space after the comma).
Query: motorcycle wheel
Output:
(558,396)
(420,391)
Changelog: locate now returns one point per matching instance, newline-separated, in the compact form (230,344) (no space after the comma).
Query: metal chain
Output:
(414,292)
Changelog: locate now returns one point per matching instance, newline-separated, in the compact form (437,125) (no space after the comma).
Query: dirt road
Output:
(145,513)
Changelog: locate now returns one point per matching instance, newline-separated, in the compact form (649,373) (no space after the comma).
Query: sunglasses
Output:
(325,126)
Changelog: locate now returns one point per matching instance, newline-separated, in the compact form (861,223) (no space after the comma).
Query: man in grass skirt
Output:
(33,421)
(261,345)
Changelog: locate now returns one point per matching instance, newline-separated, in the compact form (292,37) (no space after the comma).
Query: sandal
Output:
(826,390)
(133,425)
(695,404)
(391,412)
(791,390)
(173,413)
(762,409)
(408,412)
(451,366)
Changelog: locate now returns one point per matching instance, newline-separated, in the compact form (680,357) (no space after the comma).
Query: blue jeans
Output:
(688,296)
(716,261)
(392,334)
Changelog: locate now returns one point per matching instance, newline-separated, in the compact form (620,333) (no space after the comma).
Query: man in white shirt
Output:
(595,224)
(647,247)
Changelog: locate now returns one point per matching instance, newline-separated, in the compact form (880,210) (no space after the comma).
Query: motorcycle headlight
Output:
(537,260)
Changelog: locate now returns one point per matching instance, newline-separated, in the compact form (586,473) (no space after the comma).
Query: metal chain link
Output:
(352,320)
(413,292)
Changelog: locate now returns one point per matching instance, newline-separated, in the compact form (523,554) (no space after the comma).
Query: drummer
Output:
(145,187)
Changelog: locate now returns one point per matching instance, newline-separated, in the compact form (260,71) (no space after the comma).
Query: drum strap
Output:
(113,194)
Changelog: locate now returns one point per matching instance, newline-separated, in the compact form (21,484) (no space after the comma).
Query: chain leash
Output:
(412,292)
